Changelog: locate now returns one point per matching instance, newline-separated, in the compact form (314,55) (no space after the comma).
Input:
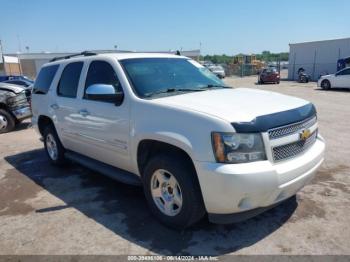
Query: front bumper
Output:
(22,113)
(235,188)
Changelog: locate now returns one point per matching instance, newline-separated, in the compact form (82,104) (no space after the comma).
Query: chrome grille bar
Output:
(292,128)
(284,152)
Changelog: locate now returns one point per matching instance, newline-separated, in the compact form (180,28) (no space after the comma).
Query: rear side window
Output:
(44,79)
(69,81)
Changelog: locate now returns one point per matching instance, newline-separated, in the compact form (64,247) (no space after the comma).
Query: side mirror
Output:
(104,93)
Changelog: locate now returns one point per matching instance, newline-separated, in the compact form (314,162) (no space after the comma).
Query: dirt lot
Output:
(49,210)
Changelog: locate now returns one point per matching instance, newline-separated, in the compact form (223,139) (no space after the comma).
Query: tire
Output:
(325,84)
(7,121)
(53,146)
(261,82)
(278,82)
(187,189)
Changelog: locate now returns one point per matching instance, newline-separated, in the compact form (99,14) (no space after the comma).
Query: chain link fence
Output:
(242,70)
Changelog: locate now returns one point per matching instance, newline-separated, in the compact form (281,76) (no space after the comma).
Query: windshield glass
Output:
(155,76)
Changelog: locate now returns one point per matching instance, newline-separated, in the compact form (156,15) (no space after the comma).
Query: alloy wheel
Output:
(51,147)
(166,192)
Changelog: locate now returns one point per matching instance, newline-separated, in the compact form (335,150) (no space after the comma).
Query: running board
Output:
(105,169)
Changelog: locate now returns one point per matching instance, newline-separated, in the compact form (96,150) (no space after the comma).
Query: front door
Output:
(104,126)
(344,78)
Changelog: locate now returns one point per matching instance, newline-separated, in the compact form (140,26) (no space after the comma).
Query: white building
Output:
(318,57)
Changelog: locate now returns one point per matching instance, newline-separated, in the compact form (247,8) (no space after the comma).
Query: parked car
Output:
(340,79)
(167,123)
(14,106)
(303,77)
(15,77)
(20,82)
(207,64)
(269,75)
(218,70)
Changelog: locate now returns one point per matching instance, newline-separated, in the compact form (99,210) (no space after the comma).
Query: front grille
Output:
(292,128)
(290,150)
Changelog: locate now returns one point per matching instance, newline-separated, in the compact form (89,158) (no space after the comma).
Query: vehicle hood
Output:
(234,105)
(329,75)
(11,88)
(218,70)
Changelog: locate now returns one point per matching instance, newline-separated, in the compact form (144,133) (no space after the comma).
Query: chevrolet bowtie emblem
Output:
(305,134)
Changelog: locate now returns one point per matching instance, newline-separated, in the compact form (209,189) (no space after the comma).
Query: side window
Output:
(346,72)
(101,72)
(69,81)
(44,79)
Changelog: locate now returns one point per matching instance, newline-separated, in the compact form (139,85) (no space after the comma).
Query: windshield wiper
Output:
(172,90)
(209,86)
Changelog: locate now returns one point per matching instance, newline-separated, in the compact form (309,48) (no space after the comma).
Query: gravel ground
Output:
(50,210)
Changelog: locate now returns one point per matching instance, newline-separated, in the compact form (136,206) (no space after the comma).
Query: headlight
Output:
(238,148)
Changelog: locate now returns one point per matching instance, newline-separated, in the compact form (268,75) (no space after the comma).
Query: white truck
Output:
(167,123)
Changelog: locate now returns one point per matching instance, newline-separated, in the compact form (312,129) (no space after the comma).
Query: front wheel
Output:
(7,121)
(325,84)
(172,191)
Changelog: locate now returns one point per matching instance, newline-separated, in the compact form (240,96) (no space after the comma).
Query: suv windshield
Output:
(168,76)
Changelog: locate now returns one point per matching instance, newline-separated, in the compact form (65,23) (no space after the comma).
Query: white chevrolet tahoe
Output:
(167,123)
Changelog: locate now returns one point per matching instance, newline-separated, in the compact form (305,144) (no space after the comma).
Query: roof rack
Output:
(85,53)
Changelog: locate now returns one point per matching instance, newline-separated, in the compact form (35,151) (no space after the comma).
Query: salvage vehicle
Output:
(14,106)
(15,77)
(218,70)
(167,123)
(340,79)
(303,77)
(19,82)
(269,75)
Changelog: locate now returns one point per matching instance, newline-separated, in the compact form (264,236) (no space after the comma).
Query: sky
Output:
(217,27)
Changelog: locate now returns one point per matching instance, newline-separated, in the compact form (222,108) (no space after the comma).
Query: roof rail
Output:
(85,53)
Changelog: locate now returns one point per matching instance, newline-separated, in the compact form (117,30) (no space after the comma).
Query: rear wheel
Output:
(7,121)
(326,85)
(172,191)
(53,147)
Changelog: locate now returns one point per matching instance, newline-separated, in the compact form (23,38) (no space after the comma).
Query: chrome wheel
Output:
(51,147)
(3,122)
(166,192)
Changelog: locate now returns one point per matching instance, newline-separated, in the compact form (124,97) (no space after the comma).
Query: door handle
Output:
(84,112)
(55,106)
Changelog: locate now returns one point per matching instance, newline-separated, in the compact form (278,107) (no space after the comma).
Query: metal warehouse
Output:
(30,63)
(318,57)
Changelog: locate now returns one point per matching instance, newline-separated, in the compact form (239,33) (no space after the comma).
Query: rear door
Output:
(104,127)
(66,104)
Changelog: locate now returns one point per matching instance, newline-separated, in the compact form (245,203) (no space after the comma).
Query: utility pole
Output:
(2,57)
